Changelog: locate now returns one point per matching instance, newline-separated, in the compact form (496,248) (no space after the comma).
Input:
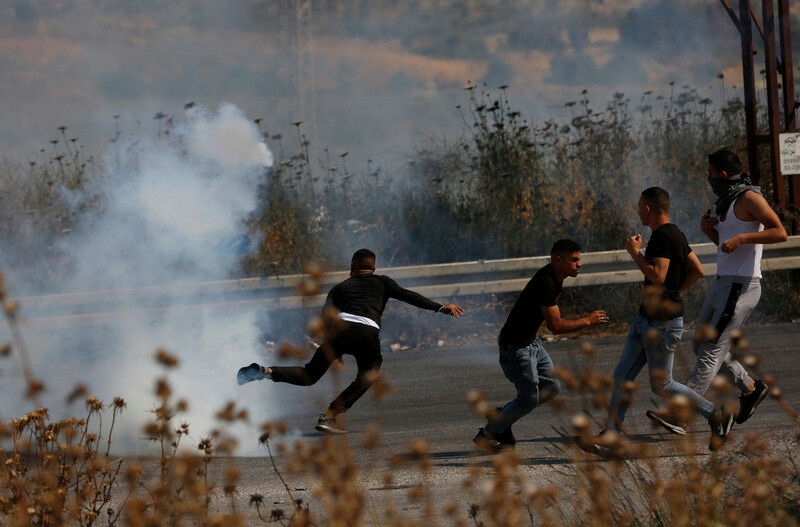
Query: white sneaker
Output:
(667,421)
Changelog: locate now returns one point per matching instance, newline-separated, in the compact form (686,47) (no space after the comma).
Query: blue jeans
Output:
(535,385)
(650,342)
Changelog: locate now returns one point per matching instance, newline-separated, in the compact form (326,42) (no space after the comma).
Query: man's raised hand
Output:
(708,221)
(633,244)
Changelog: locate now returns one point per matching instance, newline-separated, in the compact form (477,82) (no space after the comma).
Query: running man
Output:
(360,301)
(742,223)
(669,267)
(523,358)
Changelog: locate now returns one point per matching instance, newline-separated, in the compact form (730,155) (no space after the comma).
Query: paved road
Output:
(429,403)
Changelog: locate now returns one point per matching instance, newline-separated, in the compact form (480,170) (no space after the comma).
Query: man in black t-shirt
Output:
(669,267)
(522,355)
(358,304)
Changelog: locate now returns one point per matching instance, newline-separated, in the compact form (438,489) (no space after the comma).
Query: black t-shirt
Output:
(526,316)
(665,302)
(366,295)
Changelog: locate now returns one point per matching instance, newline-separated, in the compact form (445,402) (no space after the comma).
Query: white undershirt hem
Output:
(359,320)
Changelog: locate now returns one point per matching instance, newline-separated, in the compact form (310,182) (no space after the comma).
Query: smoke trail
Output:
(166,205)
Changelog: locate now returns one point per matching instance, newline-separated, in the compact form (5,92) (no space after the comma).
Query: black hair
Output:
(363,259)
(565,246)
(725,160)
(657,198)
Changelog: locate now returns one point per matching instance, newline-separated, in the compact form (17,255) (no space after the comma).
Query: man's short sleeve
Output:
(547,291)
(657,247)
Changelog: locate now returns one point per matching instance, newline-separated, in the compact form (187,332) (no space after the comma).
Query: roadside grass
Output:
(64,472)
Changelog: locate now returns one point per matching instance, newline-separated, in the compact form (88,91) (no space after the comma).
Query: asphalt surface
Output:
(428,402)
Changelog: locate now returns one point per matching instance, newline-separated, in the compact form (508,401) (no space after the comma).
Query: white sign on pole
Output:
(789,146)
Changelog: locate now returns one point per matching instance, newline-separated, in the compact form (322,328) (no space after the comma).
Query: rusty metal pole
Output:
(773,111)
(789,106)
(746,32)
(789,118)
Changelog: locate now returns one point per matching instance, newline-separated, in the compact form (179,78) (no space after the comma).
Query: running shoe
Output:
(667,421)
(591,445)
(254,372)
(507,438)
(328,426)
(749,401)
(487,442)
(721,423)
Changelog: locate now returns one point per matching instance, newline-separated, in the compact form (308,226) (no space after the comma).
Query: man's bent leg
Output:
(728,305)
(660,356)
(518,368)
(365,346)
(368,367)
(747,302)
(630,364)
(549,386)
(308,374)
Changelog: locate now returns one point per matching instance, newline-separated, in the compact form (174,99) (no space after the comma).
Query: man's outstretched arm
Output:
(415,299)
(558,325)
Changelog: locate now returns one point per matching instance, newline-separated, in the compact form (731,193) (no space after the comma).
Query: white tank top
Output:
(746,260)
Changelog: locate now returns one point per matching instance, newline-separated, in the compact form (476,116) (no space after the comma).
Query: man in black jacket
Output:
(358,302)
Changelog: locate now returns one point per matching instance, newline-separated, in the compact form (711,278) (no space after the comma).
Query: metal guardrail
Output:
(443,281)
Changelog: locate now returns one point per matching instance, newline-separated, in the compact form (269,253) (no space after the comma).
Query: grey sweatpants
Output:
(728,304)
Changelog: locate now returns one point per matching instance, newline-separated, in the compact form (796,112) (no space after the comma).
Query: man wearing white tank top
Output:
(743,222)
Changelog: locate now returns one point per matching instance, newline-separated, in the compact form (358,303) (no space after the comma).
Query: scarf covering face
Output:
(730,188)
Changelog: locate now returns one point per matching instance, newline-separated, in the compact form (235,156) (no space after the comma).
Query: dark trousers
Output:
(360,341)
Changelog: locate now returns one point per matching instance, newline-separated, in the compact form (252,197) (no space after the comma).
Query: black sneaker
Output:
(254,372)
(721,423)
(749,401)
(487,442)
(328,426)
(507,438)
(667,421)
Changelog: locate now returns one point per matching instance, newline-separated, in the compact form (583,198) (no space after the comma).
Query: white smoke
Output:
(170,202)
(167,204)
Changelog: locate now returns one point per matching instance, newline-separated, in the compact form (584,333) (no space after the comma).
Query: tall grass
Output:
(41,201)
(64,473)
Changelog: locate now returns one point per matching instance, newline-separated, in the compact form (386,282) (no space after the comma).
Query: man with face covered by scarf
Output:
(743,222)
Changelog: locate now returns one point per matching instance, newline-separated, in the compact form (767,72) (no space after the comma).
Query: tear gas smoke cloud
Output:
(169,201)
(166,205)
